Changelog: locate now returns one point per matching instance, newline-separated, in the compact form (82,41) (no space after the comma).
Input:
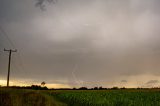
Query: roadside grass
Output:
(24,97)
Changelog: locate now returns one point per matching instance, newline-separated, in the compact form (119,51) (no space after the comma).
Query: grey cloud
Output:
(152,82)
(124,81)
(105,39)
(42,3)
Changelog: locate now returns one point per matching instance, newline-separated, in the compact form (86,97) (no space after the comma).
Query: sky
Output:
(73,43)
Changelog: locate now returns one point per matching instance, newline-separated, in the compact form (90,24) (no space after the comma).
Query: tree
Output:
(100,88)
(43,83)
(95,88)
(115,88)
(83,88)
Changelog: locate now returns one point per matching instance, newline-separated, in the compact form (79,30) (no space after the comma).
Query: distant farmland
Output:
(126,97)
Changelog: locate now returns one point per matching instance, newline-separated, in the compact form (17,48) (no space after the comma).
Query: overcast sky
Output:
(81,42)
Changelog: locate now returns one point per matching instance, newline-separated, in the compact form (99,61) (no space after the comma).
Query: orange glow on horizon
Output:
(16,83)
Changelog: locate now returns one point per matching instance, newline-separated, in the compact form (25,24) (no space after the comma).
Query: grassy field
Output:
(110,98)
(20,97)
(24,97)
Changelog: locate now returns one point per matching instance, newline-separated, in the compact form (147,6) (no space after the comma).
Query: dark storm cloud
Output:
(152,82)
(75,41)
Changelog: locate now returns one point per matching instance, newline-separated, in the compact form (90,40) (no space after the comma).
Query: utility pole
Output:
(9,63)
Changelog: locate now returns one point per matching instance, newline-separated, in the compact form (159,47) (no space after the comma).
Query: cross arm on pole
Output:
(9,63)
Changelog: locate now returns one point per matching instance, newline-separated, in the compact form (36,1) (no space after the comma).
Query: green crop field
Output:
(110,98)
(20,97)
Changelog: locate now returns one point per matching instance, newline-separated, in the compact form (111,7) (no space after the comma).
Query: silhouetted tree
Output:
(74,88)
(123,88)
(43,83)
(95,88)
(115,88)
(37,87)
(83,88)
(100,88)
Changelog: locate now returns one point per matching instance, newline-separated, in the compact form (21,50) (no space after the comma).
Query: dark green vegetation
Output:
(126,97)
(26,97)
(111,98)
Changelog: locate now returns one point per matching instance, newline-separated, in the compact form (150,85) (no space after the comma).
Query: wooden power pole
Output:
(9,63)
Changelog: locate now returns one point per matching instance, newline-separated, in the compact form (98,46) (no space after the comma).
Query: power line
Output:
(19,57)
(9,63)
(11,44)
(6,35)
(19,67)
